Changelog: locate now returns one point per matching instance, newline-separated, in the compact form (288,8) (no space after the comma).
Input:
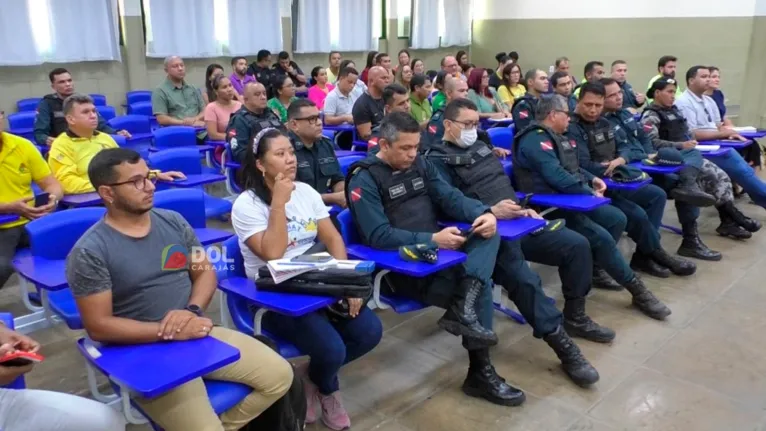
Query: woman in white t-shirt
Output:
(276,217)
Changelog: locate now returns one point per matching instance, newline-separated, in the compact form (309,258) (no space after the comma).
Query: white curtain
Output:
(54,31)
(17,42)
(246,35)
(457,23)
(185,28)
(313,26)
(425,24)
(355,18)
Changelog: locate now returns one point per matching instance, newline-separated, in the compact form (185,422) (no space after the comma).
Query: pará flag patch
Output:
(356,194)
(232,133)
(546,146)
(523,114)
(432,130)
(647,128)
(573,143)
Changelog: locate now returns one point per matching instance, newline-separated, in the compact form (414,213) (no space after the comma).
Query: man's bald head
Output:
(378,77)
(455,88)
(255,96)
(449,65)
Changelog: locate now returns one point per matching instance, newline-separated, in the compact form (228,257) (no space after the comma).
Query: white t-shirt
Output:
(250,215)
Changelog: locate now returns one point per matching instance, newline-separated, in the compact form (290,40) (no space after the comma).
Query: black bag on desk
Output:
(338,283)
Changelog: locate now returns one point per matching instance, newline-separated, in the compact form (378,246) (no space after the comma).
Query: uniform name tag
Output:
(397,191)
(58,114)
(326,160)
(418,184)
(484,151)
(611,134)
(304,164)
(329,180)
(600,137)
(566,145)
(671,117)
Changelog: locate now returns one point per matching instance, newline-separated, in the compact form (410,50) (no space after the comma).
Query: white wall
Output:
(573,9)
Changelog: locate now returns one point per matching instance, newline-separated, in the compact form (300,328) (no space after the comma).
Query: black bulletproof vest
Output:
(530,181)
(601,141)
(404,194)
(481,174)
(672,123)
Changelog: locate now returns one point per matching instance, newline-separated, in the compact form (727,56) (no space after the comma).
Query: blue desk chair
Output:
(177,136)
(237,308)
(186,160)
(107,112)
(19,383)
(347,161)
(152,369)
(329,134)
(190,203)
(22,124)
(137,96)
(140,129)
(141,108)
(230,169)
(501,137)
(28,104)
(98,99)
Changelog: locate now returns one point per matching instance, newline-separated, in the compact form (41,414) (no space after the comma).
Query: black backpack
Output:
(288,413)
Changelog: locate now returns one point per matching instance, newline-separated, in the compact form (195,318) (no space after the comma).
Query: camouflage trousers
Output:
(715,181)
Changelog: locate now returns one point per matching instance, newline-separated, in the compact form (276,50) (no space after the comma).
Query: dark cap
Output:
(660,85)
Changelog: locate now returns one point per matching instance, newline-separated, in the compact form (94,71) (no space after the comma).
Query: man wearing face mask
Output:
(251,118)
(468,164)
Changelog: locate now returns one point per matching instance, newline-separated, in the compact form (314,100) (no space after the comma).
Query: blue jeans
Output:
(643,208)
(743,174)
(330,343)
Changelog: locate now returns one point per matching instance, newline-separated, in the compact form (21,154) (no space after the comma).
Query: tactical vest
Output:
(601,141)
(404,194)
(481,174)
(672,125)
(531,181)
(318,168)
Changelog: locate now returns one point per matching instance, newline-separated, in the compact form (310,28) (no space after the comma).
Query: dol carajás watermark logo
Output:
(177,257)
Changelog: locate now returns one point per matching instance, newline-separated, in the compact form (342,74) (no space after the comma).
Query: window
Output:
(452,26)
(342,25)
(403,13)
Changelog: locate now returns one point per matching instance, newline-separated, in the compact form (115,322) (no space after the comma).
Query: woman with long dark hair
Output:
(511,87)
(211,72)
(485,97)
(370,62)
(462,58)
(318,92)
(277,217)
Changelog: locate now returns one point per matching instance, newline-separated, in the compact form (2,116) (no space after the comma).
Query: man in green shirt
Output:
(420,107)
(666,66)
(174,102)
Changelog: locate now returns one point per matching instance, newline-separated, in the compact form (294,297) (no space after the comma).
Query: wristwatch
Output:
(196,309)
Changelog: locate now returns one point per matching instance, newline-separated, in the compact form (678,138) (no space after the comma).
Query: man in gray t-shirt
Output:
(148,276)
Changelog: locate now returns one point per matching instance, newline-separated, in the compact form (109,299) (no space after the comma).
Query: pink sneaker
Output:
(312,393)
(334,415)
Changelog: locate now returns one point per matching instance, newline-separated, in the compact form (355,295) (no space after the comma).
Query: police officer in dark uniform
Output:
(603,146)
(51,121)
(394,197)
(434,132)
(470,165)
(317,163)
(544,161)
(253,117)
(523,110)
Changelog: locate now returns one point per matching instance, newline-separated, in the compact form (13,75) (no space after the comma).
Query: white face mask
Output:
(468,137)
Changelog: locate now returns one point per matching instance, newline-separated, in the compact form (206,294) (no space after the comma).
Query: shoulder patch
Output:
(647,128)
(356,194)
(523,114)
(546,146)
(573,143)
(432,129)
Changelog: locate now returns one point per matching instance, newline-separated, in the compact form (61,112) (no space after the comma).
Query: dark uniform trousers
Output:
(643,208)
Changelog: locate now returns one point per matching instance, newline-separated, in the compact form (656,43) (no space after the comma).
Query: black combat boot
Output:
(461,318)
(602,280)
(689,191)
(730,228)
(645,300)
(645,264)
(579,324)
(573,362)
(676,265)
(483,382)
(692,245)
(746,222)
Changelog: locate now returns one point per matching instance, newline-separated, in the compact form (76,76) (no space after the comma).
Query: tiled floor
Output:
(703,369)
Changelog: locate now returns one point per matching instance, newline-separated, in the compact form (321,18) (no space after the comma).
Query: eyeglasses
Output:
(290,85)
(467,124)
(311,119)
(139,183)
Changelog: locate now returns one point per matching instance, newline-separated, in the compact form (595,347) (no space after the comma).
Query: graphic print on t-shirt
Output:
(174,257)
(300,231)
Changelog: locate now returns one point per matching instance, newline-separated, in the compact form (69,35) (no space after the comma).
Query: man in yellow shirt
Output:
(21,164)
(72,151)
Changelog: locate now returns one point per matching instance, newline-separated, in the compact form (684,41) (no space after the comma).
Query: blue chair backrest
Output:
(347,161)
(22,120)
(98,99)
(28,104)
(348,228)
(329,134)
(7,319)
(233,252)
(53,236)
(501,137)
(175,136)
(107,112)
(512,128)
(120,140)
(184,159)
(190,203)
(141,108)
(136,96)
(132,123)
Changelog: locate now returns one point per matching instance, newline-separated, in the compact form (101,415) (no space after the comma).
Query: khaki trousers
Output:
(187,407)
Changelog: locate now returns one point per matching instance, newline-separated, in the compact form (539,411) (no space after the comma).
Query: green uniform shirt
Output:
(275,105)
(438,101)
(178,102)
(421,112)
